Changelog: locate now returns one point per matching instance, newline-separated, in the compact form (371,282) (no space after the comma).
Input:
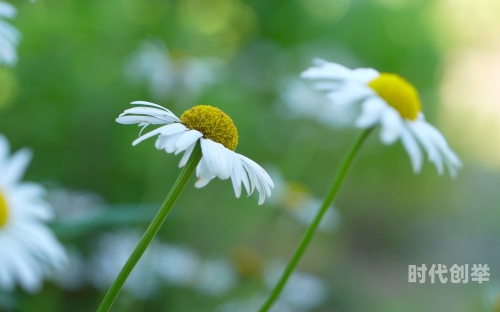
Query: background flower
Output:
(9,36)
(30,251)
(182,78)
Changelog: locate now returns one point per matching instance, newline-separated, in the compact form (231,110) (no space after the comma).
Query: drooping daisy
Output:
(218,137)
(9,36)
(388,100)
(29,250)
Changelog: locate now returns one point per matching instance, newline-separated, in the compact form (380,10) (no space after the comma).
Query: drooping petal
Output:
(130,120)
(391,123)
(260,177)
(187,139)
(432,152)
(211,156)
(186,155)
(413,150)
(203,174)
(171,142)
(236,175)
(450,158)
(148,135)
(371,111)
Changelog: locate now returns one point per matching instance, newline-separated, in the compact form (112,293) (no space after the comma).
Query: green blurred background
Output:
(79,69)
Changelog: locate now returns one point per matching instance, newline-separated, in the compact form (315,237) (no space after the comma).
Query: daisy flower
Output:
(218,138)
(9,36)
(389,100)
(29,250)
(154,65)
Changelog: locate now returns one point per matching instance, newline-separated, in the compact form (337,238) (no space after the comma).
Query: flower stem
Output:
(153,228)
(311,229)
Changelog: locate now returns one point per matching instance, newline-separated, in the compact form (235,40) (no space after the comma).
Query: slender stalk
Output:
(311,229)
(153,228)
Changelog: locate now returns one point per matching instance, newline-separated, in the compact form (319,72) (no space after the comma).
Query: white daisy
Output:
(111,253)
(390,101)
(218,137)
(29,251)
(9,36)
(153,65)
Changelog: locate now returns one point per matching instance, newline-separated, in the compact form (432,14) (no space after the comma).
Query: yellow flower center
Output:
(213,123)
(398,93)
(4,212)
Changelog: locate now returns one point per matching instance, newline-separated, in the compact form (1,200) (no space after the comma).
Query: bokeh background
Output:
(82,62)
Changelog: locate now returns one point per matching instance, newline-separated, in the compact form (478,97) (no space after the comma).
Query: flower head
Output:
(29,249)
(218,138)
(391,101)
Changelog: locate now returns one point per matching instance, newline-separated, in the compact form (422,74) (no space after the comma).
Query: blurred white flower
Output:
(303,290)
(181,266)
(217,136)
(111,253)
(216,276)
(182,79)
(29,249)
(9,36)
(176,265)
(390,101)
(72,205)
(161,264)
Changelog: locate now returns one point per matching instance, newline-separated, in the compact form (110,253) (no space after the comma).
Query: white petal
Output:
(450,158)
(148,135)
(186,155)
(7,10)
(204,176)
(391,123)
(167,134)
(365,75)
(226,164)
(260,177)
(16,167)
(348,95)
(186,140)
(333,71)
(211,156)
(412,148)
(327,70)
(149,104)
(130,120)
(432,152)
(371,111)
(171,141)
(173,129)
(237,173)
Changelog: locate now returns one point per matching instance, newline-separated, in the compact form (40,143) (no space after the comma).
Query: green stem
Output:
(311,229)
(153,228)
